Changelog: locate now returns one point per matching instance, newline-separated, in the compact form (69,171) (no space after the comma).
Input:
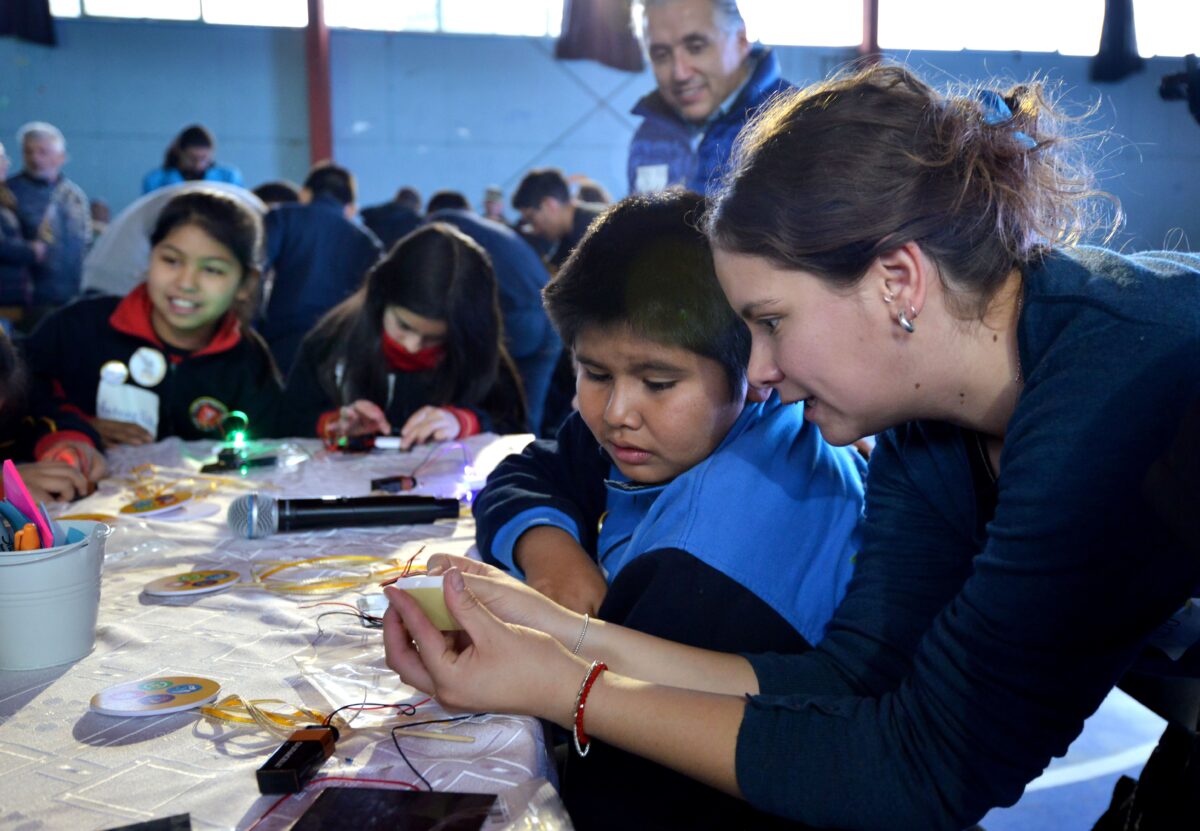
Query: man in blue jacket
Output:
(319,255)
(710,82)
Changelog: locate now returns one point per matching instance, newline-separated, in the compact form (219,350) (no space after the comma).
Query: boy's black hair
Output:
(277,192)
(445,200)
(409,197)
(540,184)
(645,264)
(334,181)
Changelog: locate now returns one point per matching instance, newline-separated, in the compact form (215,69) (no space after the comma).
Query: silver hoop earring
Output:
(905,323)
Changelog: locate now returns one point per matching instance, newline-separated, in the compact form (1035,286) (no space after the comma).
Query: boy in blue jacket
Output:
(671,502)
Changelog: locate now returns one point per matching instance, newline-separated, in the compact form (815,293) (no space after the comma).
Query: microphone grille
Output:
(253,516)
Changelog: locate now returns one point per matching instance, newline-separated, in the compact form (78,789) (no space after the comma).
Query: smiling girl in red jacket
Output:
(177,338)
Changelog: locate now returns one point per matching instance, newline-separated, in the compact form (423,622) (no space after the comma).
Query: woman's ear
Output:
(901,278)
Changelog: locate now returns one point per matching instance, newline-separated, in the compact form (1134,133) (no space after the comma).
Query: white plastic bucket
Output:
(49,600)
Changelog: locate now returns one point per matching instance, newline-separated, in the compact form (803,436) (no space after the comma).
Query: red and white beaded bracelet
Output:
(582,742)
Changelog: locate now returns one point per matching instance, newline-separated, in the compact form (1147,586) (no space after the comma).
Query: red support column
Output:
(320,109)
(868,50)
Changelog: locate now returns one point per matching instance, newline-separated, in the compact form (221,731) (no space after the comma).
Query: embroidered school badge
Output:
(207,413)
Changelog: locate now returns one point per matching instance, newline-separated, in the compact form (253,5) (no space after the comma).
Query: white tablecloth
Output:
(62,766)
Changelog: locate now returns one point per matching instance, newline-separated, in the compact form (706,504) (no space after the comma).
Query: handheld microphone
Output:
(254,515)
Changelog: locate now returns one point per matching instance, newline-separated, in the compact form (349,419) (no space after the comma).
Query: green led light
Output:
(234,425)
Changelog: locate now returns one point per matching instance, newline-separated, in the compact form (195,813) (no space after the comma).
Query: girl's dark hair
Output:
(436,272)
(229,222)
(222,217)
(829,178)
(194,135)
(645,264)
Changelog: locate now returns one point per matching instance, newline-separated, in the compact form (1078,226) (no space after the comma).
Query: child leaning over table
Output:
(671,502)
(57,458)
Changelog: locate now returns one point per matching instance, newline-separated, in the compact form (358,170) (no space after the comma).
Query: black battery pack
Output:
(294,763)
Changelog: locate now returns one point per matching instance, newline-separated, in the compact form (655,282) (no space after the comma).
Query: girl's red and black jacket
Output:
(234,371)
(29,438)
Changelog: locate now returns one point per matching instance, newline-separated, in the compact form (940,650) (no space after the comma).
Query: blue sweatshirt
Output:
(751,549)
(802,497)
(160,177)
(320,258)
(981,628)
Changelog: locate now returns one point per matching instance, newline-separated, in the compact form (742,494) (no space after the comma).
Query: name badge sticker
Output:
(148,366)
(651,178)
(125,402)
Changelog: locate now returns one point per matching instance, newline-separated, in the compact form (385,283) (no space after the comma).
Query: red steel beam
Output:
(869,48)
(320,108)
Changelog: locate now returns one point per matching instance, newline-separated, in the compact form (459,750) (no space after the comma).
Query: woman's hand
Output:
(361,418)
(510,600)
(54,481)
(495,666)
(429,424)
(121,432)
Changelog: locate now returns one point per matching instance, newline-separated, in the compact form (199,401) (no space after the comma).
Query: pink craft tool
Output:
(16,493)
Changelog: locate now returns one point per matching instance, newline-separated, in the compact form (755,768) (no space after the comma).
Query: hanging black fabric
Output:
(599,30)
(1118,56)
(28,20)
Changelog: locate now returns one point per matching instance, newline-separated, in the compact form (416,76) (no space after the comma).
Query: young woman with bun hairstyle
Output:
(909,264)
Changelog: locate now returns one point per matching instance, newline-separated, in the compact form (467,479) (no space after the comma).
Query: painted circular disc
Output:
(158,504)
(194,582)
(155,696)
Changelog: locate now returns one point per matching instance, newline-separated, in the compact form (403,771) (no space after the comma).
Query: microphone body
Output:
(254,516)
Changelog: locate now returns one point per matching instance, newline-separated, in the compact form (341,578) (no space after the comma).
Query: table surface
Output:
(62,766)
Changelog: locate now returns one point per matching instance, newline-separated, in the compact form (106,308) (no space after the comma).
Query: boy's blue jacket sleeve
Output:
(556,482)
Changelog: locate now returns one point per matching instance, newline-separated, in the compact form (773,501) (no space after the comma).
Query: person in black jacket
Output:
(318,255)
(418,350)
(177,338)
(57,460)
